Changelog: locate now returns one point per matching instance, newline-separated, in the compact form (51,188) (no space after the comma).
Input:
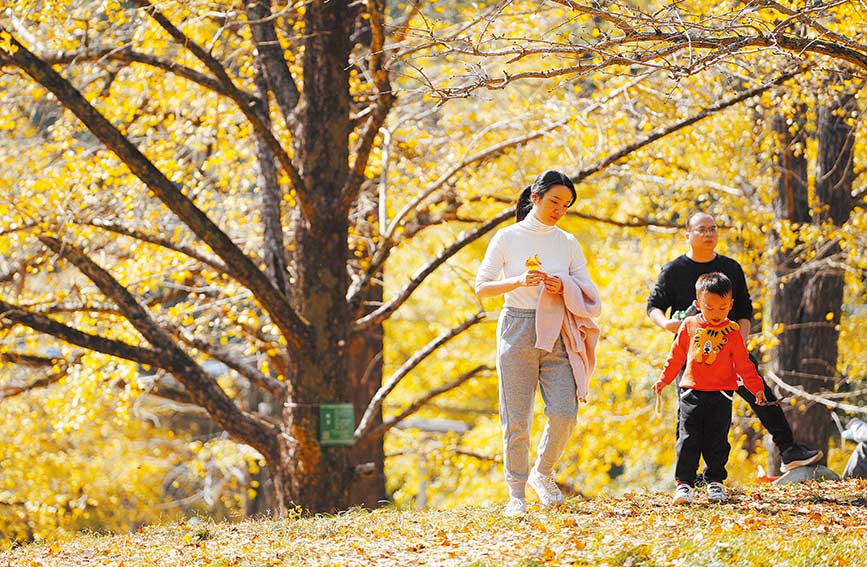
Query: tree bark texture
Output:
(365,374)
(306,473)
(808,293)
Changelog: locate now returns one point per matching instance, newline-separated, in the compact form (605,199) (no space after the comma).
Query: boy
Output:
(714,352)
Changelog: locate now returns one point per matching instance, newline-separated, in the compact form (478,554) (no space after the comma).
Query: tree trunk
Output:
(808,294)
(365,372)
(308,474)
(791,207)
(835,172)
(823,296)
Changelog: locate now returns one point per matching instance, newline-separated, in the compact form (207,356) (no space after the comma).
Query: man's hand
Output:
(760,399)
(659,385)
(660,320)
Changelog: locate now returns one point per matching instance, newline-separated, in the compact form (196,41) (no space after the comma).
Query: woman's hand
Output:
(531,278)
(553,285)
(494,288)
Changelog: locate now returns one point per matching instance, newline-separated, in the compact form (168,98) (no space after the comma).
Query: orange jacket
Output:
(714,357)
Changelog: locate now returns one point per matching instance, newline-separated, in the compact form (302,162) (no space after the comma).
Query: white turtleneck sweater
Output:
(510,247)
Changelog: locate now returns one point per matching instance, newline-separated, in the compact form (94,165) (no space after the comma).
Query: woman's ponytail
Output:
(540,186)
(525,204)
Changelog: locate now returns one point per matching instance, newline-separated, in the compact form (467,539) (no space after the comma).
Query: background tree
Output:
(811,257)
(303,337)
(731,50)
(257,299)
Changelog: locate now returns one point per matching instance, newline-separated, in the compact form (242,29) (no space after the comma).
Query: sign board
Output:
(336,424)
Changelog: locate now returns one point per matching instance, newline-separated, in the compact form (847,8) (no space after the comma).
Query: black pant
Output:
(772,417)
(703,425)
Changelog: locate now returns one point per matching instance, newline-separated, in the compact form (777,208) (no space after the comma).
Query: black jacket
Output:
(675,288)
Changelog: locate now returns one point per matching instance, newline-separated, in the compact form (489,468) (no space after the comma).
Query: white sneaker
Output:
(516,507)
(716,492)
(683,494)
(548,491)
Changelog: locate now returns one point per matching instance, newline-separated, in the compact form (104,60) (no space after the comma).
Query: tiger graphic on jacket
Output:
(708,342)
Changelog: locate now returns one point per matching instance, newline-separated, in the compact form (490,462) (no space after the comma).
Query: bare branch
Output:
(239,97)
(646,40)
(632,223)
(385,98)
(7,392)
(487,153)
(829,404)
(19,228)
(117,228)
(384,311)
(73,336)
(240,265)
(173,394)
(385,246)
(203,389)
(665,131)
(391,383)
(271,60)
(619,22)
(419,403)
(458,33)
(251,373)
(802,16)
(127,55)
(31,360)
(18,267)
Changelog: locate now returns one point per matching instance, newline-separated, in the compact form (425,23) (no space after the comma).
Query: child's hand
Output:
(658,386)
(760,399)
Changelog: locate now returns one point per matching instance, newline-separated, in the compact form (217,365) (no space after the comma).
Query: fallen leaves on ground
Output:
(790,525)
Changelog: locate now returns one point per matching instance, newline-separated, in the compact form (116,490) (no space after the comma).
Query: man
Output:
(675,291)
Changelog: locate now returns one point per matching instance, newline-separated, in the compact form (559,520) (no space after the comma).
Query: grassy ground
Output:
(812,524)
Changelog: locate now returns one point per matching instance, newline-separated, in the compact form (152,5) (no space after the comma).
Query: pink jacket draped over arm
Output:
(570,315)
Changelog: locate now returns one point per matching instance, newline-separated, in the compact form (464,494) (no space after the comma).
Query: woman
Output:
(544,335)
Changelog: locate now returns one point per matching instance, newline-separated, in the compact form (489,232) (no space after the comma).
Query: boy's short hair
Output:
(714,282)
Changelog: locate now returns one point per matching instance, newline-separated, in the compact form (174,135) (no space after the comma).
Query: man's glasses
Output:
(704,230)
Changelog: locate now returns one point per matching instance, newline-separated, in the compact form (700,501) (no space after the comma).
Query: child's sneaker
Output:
(545,486)
(683,494)
(516,507)
(716,492)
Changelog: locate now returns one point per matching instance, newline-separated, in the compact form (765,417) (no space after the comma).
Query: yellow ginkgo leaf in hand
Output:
(533,262)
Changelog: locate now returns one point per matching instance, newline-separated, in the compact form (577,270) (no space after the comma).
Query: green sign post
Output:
(336,424)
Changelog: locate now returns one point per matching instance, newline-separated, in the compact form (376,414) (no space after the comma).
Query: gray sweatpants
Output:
(521,366)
